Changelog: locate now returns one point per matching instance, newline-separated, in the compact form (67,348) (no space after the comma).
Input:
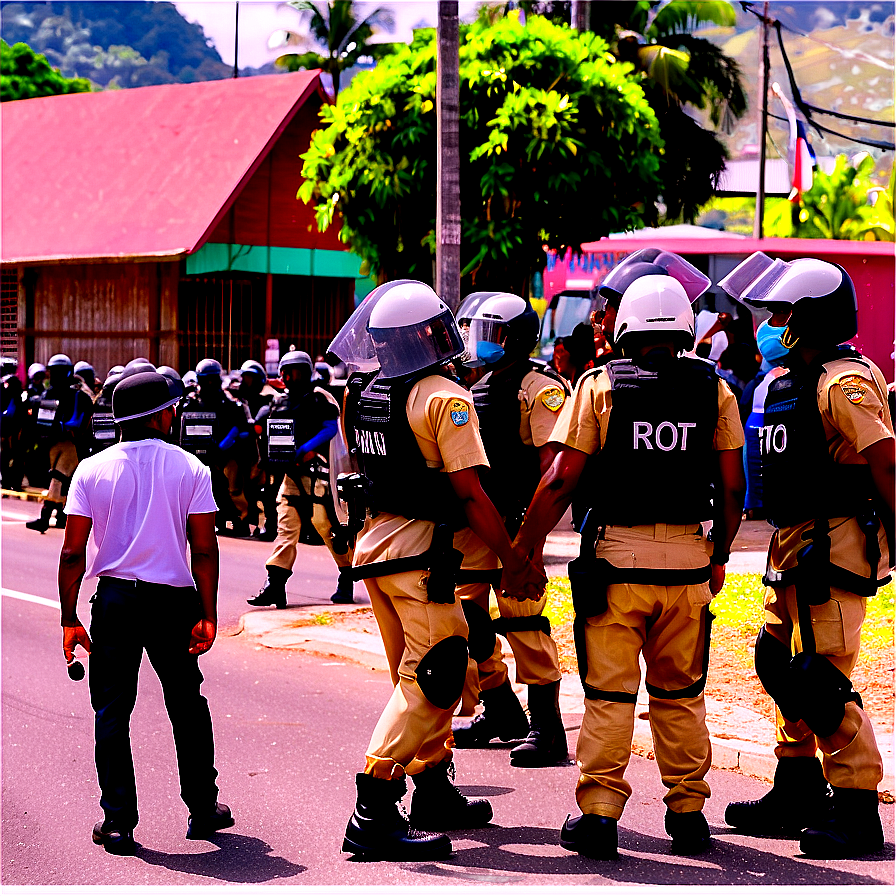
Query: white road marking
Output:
(9,517)
(31,598)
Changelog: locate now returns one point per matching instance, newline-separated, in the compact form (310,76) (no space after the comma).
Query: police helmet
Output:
(655,305)
(470,305)
(323,372)
(173,378)
(110,383)
(651,262)
(189,379)
(141,395)
(135,366)
(256,369)
(118,368)
(209,367)
(821,296)
(35,369)
(85,370)
(60,361)
(8,366)
(503,329)
(296,359)
(412,329)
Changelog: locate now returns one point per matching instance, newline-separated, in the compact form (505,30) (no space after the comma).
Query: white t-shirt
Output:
(139,495)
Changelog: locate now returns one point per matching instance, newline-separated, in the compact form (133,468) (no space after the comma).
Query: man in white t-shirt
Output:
(144,500)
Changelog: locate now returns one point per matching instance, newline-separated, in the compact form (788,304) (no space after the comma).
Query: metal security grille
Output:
(309,311)
(221,318)
(9,309)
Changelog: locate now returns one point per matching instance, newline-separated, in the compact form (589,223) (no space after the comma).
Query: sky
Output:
(259,19)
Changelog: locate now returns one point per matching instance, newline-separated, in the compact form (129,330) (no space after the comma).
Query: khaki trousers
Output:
(64,460)
(667,623)
(850,756)
(289,523)
(412,734)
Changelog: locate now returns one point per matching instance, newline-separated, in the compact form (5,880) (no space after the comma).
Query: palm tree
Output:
(679,70)
(334,28)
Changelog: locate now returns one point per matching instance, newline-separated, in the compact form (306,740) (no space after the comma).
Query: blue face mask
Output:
(489,352)
(768,338)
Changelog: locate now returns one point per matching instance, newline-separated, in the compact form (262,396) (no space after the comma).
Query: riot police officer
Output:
(827,447)
(517,400)
(659,424)
(85,370)
(63,425)
(216,428)
(414,434)
(299,427)
(12,419)
(105,430)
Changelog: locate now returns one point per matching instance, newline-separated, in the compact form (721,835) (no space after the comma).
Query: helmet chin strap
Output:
(788,340)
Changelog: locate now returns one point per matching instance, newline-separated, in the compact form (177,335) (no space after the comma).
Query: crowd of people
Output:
(460,454)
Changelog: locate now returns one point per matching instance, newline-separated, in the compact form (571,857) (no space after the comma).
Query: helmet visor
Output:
(485,344)
(753,280)
(408,349)
(638,264)
(352,344)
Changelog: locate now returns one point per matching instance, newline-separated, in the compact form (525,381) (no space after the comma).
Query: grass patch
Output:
(322,619)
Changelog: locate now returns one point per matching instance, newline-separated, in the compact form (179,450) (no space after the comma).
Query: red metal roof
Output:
(135,173)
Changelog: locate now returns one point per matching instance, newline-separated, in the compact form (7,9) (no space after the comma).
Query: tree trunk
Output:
(448,149)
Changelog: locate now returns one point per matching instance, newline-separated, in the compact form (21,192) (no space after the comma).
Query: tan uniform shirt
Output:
(446,427)
(583,424)
(852,401)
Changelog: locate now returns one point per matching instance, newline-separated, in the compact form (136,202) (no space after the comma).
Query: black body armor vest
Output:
(292,421)
(380,438)
(657,463)
(197,431)
(515,472)
(104,433)
(800,479)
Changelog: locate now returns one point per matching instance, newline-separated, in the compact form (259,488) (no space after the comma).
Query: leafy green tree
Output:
(837,206)
(679,70)
(335,28)
(558,146)
(25,74)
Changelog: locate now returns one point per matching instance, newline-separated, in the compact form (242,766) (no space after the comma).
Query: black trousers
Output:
(126,619)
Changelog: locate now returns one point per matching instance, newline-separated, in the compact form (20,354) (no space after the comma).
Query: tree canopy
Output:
(558,146)
(25,75)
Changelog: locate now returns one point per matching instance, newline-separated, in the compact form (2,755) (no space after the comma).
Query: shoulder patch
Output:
(854,388)
(460,412)
(553,398)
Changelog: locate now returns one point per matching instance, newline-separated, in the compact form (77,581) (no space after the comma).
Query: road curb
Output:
(23,496)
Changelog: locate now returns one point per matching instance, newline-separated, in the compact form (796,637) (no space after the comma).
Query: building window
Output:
(9,310)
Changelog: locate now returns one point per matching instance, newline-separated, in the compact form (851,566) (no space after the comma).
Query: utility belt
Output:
(197,432)
(814,574)
(441,559)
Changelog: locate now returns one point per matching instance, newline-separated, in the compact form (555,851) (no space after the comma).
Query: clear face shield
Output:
(485,342)
(754,279)
(656,261)
(341,464)
(409,349)
(353,344)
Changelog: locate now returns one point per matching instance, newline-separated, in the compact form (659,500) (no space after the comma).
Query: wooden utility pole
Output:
(448,148)
(581,15)
(236,42)
(763,123)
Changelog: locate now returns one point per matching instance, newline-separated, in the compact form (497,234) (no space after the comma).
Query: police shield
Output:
(341,464)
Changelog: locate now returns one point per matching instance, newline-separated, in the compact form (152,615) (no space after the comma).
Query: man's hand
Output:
(202,637)
(522,580)
(72,636)
(716,578)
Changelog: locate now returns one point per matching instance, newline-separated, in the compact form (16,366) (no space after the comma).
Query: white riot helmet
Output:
(412,329)
(657,305)
(503,328)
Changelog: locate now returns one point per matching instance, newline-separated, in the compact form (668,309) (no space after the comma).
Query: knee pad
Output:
(442,671)
(772,661)
(820,692)
(64,481)
(481,640)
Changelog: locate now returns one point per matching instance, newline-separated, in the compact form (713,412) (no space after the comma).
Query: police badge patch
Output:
(854,388)
(552,399)
(460,412)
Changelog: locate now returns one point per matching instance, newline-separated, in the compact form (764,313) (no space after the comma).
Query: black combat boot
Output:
(502,716)
(378,830)
(689,832)
(42,523)
(273,592)
(851,829)
(592,836)
(60,517)
(437,805)
(545,744)
(799,797)
(344,587)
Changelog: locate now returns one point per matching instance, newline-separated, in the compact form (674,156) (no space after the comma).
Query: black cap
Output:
(141,395)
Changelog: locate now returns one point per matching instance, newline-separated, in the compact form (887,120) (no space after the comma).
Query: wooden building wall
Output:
(273,188)
(102,313)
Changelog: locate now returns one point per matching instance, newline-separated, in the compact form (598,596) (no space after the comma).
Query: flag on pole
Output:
(800,155)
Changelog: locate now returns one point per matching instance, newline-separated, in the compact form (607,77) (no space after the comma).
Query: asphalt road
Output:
(291,730)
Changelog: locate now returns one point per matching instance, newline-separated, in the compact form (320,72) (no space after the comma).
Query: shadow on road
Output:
(238,860)
(644,860)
